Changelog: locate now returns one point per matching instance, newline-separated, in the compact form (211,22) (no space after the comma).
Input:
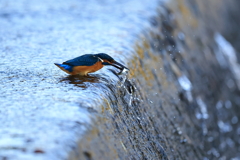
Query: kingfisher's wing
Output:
(84,60)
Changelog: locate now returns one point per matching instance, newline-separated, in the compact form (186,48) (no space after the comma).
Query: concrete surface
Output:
(43,115)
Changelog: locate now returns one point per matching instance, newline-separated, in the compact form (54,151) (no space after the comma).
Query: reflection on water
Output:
(80,81)
(85,81)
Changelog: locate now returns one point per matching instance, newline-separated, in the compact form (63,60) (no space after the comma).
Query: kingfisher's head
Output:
(105,57)
(108,60)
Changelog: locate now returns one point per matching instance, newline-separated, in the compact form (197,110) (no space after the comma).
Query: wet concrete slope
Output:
(44,112)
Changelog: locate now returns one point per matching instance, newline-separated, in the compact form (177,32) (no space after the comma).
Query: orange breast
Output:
(84,70)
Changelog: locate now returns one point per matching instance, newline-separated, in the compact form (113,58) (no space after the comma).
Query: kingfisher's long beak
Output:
(118,65)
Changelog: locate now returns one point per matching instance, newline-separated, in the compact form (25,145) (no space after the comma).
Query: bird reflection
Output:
(85,81)
(80,81)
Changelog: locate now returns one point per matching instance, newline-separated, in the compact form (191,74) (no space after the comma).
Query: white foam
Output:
(229,53)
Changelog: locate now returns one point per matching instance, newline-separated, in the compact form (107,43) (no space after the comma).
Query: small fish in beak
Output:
(118,65)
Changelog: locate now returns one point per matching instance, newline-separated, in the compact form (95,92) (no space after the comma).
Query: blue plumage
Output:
(84,60)
(105,56)
(65,66)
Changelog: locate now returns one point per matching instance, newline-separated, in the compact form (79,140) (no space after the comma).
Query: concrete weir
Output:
(179,101)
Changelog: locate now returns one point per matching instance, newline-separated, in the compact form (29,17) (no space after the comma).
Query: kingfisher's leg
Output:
(85,74)
(89,76)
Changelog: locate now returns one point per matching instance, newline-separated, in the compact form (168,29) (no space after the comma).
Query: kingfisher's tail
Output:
(65,67)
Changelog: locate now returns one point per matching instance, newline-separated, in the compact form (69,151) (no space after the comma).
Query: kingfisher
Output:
(89,63)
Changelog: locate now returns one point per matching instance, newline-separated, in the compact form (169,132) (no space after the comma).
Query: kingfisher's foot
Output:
(88,76)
